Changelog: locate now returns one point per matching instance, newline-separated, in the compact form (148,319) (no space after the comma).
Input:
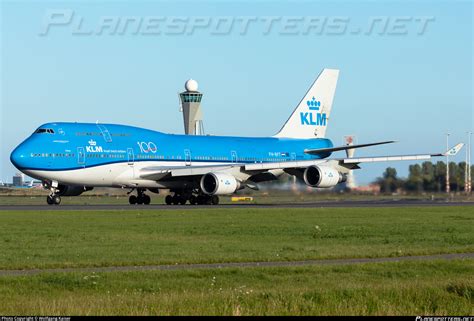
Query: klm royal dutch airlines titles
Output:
(313,116)
(71,158)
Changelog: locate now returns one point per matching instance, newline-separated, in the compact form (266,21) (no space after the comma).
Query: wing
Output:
(160,173)
(350,163)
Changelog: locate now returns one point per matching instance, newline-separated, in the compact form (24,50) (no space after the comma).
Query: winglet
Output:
(453,151)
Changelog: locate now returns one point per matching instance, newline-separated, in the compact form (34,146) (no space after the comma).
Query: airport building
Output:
(18,179)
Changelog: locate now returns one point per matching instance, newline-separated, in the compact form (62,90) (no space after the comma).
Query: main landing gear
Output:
(193,199)
(141,197)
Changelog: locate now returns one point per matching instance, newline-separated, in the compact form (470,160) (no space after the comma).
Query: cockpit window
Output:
(44,131)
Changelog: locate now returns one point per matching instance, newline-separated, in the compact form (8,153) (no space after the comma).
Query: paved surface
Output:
(240,265)
(324,204)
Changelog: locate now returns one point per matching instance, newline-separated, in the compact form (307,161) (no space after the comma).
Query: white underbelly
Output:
(109,175)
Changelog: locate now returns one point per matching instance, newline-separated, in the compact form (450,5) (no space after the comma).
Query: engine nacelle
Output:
(322,176)
(69,190)
(219,184)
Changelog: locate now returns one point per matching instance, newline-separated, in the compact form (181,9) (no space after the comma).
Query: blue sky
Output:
(409,87)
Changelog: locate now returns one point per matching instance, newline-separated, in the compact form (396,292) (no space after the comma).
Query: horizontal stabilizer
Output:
(335,149)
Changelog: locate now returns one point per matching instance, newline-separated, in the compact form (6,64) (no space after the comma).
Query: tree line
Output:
(427,177)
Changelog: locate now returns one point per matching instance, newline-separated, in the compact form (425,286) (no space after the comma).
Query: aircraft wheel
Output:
(168,199)
(140,200)
(215,199)
(181,200)
(56,200)
(200,200)
(174,200)
(132,199)
(146,199)
(193,200)
(49,200)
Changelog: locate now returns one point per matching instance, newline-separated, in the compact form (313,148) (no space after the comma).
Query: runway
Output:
(452,256)
(322,204)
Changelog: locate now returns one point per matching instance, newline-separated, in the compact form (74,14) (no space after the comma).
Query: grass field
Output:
(79,238)
(413,288)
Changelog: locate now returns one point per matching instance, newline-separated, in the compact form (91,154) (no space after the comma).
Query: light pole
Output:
(469,183)
(466,169)
(447,163)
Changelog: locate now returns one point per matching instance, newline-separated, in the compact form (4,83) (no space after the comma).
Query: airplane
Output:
(32,184)
(71,158)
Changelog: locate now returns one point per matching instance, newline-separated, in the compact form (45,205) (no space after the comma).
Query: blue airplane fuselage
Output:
(74,146)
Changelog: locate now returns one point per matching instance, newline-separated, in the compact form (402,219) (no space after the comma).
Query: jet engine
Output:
(322,176)
(219,184)
(70,190)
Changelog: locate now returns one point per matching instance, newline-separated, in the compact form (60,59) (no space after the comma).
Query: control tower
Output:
(191,108)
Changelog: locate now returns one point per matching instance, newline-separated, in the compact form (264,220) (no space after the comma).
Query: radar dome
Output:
(191,85)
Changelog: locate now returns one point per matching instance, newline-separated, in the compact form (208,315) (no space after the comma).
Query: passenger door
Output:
(130,156)
(131,161)
(187,157)
(81,156)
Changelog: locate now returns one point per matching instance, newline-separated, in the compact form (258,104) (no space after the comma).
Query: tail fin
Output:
(310,118)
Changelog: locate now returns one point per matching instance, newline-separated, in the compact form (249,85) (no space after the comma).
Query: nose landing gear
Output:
(53,199)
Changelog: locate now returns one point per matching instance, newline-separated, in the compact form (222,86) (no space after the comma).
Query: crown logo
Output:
(92,142)
(313,104)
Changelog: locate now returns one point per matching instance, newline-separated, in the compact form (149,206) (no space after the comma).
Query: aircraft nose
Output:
(19,156)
